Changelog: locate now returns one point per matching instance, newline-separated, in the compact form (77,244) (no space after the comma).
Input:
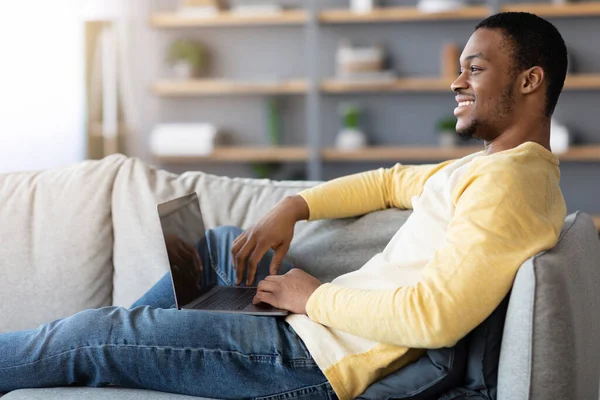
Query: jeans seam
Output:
(212,263)
(256,357)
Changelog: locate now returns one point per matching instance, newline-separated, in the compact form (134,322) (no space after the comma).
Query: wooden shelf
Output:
(242,154)
(582,153)
(174,20)
(399,154)
(577,153)
(434,84)
(416,153)
(596,219)
(398,14)
(199,87)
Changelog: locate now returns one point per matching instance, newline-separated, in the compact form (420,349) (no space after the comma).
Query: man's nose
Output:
(459,83)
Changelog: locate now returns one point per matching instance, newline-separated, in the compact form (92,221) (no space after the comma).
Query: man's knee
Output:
(226,232)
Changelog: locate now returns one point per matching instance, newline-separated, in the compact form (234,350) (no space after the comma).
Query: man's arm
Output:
(369,191)
(499,223)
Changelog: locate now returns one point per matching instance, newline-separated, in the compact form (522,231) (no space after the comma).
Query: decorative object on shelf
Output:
(255,7)
(199,8)
(450,61)
(560,138)
(440,6)
(273,117)
(362,6)
(361,63)
(446,130)
(351,137)
(187,58)
(183,139)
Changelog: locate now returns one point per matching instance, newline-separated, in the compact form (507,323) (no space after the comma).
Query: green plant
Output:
(189,51)
(350,114)
(446,124)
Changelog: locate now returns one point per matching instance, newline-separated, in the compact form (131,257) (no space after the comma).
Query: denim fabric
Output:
(154,346)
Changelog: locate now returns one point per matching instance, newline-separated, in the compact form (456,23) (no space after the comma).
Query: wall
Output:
(395,119)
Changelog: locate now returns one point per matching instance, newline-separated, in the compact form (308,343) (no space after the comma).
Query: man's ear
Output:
(531,79)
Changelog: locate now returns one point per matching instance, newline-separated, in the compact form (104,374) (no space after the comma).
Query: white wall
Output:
(42,98)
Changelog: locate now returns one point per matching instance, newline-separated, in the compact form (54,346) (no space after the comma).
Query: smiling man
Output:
(475,221)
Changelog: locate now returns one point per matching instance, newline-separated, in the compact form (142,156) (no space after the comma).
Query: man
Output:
(475,220)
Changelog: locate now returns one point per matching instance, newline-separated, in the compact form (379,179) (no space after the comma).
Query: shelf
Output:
(242,154)
(199,87)
(422,154)
(596,219)
(434,84)
(578,153)
(399,154)
(398,14)
(174,20)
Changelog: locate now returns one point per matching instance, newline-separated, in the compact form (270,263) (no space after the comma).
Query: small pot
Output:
(183,70)
(447,139)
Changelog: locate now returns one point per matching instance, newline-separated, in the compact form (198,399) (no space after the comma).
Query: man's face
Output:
(485,88)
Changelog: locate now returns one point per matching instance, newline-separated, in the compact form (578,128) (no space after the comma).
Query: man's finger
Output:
(241,260)
(277,259)
(273,278)
(267,286)
(265,297)
(257,255)
(236,246)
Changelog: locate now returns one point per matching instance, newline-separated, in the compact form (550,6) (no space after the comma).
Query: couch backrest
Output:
(55,242)
(324,248)
(551,342)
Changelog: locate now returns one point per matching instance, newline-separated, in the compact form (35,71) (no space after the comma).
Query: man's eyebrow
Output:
(477,55)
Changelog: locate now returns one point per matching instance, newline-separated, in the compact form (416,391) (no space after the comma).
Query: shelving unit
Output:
(209,87)
(174,20)
(403,14)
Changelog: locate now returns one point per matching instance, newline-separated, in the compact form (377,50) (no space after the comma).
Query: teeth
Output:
(465,103)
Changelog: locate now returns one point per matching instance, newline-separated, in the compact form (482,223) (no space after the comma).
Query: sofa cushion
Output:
(431,376)
(58,225)
(555,299)
(325,249)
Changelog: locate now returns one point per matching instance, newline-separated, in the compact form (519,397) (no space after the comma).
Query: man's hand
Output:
(288,292)
(274,231)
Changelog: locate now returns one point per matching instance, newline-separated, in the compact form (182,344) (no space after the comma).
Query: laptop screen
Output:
(182,228)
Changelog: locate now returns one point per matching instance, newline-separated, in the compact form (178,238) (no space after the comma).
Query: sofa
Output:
(88,235)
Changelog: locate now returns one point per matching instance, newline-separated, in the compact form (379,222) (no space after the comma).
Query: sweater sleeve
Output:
(369,191)
(500,221)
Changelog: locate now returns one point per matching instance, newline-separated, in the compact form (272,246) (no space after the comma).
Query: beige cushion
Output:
(56,240)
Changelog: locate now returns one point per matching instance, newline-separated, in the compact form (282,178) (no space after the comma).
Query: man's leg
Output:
(179,351)
(215,252)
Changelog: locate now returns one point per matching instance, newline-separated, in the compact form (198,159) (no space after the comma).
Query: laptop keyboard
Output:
(230,298)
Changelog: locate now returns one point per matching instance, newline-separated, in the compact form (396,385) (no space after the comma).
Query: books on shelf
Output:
(180,139)
(255,7)
(199,8)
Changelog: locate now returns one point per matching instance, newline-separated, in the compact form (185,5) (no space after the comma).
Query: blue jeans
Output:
(154,346)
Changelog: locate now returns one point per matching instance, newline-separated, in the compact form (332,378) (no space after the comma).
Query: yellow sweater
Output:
(474,222)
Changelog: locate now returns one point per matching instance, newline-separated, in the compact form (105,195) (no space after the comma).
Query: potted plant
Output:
(187,58)
(351,137)
(446,130)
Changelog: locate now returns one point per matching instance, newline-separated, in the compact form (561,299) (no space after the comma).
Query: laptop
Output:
(195,287)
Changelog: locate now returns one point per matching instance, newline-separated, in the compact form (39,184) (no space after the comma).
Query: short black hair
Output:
(534,42)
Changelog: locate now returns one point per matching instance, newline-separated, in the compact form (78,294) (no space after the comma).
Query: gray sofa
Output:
(88,236)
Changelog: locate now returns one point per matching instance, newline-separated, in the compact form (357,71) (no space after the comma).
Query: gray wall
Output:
(398,119)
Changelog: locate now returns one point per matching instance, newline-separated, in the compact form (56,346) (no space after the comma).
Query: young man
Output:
(475,220)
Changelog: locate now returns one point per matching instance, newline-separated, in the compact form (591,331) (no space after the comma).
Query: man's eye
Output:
(475,69)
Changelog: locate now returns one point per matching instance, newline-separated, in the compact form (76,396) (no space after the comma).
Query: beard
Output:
(490,128)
